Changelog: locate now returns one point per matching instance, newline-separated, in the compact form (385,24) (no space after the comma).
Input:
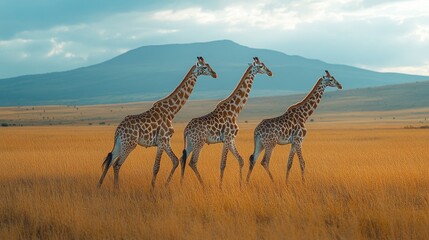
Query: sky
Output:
(57,35)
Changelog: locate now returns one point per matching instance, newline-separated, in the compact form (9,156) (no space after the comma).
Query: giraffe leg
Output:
(117,161)
(266,162)
(193,163)
(289,161)
(301,161)
(223,162)
(156,164)
(234,151)
(174,159)
(116,155)
(252,159)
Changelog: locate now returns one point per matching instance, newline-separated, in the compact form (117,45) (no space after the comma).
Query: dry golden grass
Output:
(370,183)
(255,110)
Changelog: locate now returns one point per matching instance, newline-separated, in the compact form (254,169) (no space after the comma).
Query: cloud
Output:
(377,34)
(422,33)
(14,42)
(195,14)
(28,15)
(167,31)
(57,48)
(421,70)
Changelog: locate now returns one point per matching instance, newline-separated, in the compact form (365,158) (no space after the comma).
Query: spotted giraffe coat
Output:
(288,128)
(153,127)
(220,125)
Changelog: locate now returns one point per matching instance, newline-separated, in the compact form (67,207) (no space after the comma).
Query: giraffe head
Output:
(259,67)
(330,81)
(203,68)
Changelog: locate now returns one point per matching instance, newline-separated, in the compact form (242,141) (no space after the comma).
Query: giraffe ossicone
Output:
(220,125)
(288,128)
(153,128)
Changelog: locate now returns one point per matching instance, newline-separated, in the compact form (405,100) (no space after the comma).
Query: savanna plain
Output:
(367,182)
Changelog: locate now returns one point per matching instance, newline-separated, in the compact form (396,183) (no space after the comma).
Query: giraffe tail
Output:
(105,166)
(183,158)
(112,157)
(107,161)
(256,150)
(254,156)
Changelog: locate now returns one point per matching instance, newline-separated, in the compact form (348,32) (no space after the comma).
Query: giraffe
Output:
(220,125)
(288,128)
(153,127)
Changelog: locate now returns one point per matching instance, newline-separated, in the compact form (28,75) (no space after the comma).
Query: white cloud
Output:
(422,33)
(258,18)
(233,16)
(122,50)
(419,70)
(354,32)
(194,14)
(166,31)
(287,16)
(69,55)
(14,42)
(24,55)
(57,48)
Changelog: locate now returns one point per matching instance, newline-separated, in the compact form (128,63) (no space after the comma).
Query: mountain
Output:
(151,72)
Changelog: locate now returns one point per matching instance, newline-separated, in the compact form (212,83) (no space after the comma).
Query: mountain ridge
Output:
(150,72)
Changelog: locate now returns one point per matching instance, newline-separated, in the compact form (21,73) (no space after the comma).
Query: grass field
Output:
(368,183)
(351,108)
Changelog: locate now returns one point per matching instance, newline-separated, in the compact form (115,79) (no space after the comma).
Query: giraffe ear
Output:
(256,59)
(327,73)
(200,60)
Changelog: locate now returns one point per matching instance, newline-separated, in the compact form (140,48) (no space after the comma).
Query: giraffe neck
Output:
(307,106)
(171,105)
(235,102)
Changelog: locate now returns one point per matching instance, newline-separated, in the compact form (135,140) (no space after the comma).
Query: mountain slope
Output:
(377,99)
(151,72)
(408,103)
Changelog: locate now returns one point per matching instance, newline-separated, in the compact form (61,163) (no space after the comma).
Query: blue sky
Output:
(55,35)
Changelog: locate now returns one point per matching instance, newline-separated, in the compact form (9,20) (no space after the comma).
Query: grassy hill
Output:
(402,102)
(151,72)
(385,98)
